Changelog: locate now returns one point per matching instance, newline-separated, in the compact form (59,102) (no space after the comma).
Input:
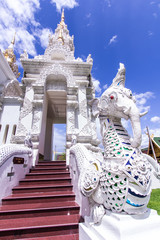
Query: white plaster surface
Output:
(26,121)
(10,116)
(30,94)
(48,140)
(116,226)
(7,183)
(43,126)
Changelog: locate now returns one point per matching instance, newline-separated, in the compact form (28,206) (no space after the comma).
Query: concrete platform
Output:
(122,227)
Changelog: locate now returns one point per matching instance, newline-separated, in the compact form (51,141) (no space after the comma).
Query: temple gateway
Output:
(55,88)
(92,195)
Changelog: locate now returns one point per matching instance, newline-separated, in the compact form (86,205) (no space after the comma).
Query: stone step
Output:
(38,210)
(42,206)
(39,226)
(47,175)
(60,237)
(37,205)
(52,162)
(51,166)
(49,170)
(39,188)
(27,198)
(45,181)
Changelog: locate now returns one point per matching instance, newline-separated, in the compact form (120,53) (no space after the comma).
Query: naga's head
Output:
(118,101)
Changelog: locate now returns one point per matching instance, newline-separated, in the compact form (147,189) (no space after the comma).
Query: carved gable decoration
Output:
(12,89)
(59,52)
(56,82)
(57,69)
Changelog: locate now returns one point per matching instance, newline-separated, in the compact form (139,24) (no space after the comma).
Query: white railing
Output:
(75,176)
(13,171)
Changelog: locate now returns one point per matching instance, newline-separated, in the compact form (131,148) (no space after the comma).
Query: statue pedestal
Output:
(116,226)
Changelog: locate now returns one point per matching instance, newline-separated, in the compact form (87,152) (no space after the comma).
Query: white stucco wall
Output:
(48,140)
(10,116)
(43,126)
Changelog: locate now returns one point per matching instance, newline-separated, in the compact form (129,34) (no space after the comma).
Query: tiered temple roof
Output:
(156,147)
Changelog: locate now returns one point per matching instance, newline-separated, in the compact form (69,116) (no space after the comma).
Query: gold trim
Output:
(95,164)
(88,189)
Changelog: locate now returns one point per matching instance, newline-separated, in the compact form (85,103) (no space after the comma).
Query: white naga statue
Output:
(122,181)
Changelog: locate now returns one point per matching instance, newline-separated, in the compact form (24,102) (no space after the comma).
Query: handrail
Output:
(8,150)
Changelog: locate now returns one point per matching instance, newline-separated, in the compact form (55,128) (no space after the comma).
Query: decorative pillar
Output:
(25,119)
(71,129)
(82,116)
(48,140)
(37,113)
(84,123)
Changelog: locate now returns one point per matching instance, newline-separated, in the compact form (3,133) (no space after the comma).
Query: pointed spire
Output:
(62,18)
(13,40)
(11,58)
(11,46)
(62,24)
(60,37)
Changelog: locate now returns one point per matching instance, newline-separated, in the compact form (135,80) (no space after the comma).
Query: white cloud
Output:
(17,16)
(59,140)
(145,140)
(146,95)
(150,33)
(155,119)
(125,123)
(96,84)
(155,15)
(25,41)
(18,62)
(64,3)
(108,3)
(113,39)
(105,86)
(141,100)
(88,15)
(43,35)
(23,10)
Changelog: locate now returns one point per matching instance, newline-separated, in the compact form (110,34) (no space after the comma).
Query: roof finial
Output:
(60,37)
(11,46)
(13,40)
(11,58)
(62,17)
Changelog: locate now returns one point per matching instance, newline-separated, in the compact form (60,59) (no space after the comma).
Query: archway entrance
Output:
(56,96)
(59,142)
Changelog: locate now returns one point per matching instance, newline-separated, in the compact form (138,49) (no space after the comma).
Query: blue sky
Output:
(112,31)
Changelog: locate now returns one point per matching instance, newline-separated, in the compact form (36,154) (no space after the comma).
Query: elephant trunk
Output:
(136,127)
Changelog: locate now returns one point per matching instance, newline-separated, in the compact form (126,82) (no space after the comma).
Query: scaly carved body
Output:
(122,182)
(126,174)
